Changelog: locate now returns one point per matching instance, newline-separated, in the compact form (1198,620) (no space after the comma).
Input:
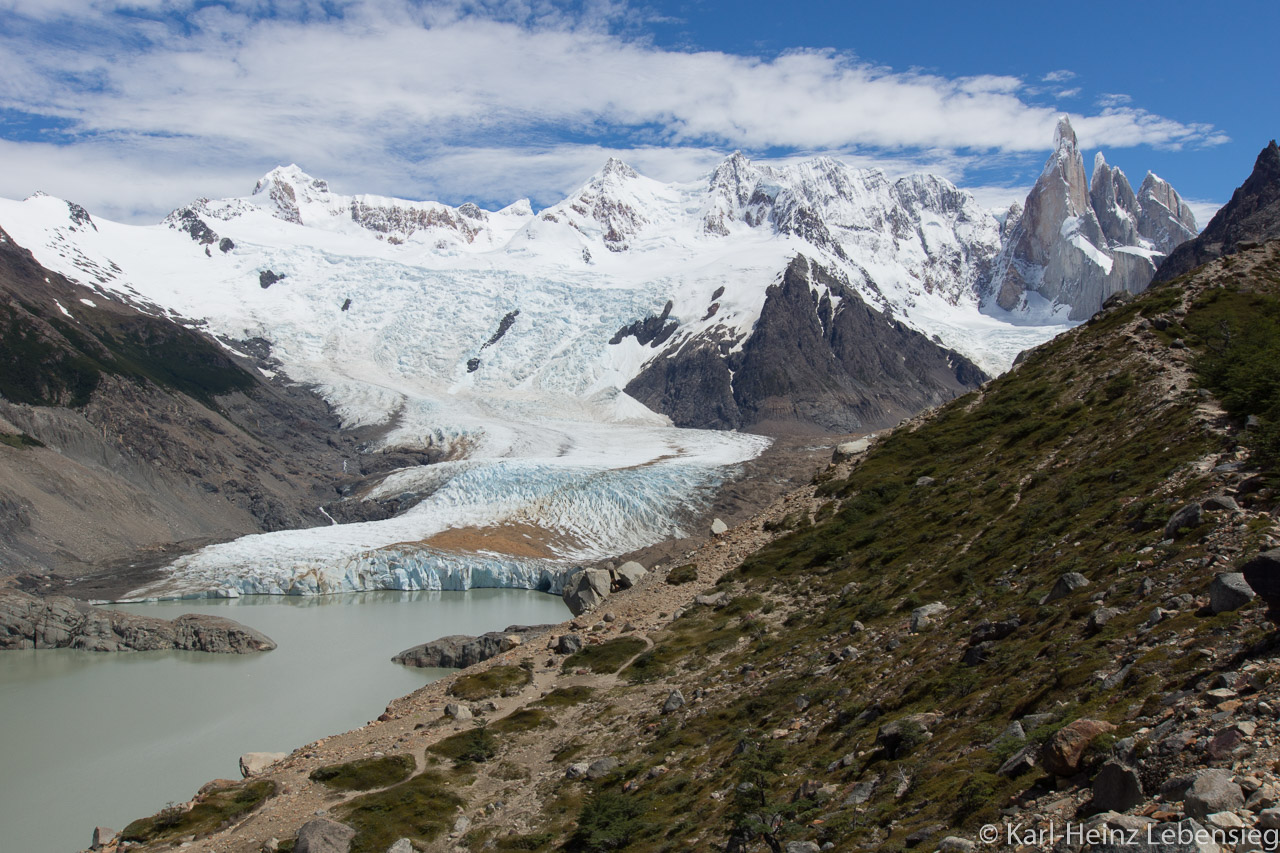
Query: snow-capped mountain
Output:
(521,345)
(1076,243)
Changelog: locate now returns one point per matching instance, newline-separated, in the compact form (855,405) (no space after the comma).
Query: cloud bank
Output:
(484,100)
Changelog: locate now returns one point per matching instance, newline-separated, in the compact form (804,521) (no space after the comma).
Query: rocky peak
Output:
(1114,203)
(287,187)
(1165,219)
(1252,216)
(1075,242)
(615,168)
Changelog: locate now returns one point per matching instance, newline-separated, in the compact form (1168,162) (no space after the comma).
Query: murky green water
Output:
(92,739)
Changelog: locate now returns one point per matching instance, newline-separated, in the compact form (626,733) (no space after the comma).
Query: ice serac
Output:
(1252,216)
(1077,243)
(818,355)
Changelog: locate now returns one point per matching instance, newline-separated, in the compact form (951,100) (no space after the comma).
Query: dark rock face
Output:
(840,367)
(459,651)
(188,221)
(1252,216)
(60,622)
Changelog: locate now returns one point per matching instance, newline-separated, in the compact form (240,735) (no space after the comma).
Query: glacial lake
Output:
(91,739)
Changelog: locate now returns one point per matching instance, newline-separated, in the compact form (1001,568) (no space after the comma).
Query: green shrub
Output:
(420,809)
(216,808)
(473,746)
(365,774)
(682,574)
(607,657)
(608,821)
(504,680)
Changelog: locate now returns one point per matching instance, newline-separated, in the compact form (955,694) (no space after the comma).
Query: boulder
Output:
(925,482)
(719,599)
(586,589)
(1063,752)
(1022,761)
(1262,573)
(253,763)
(719,528)
(1212,791)
(1064,586)
(1189,516)
(324,836)
(803,847)
(629,574)
(849,449)
(101,837)
(602,767)
(675,701)
(1099,618)
(922,616)
(569,644)
(1220,503)
(404,845)
(956,844)
(1117,787)
(1229,591)
(458,711)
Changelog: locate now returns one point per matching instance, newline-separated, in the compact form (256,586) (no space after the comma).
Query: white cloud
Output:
(446,96)
(1203,210)
(1062,75)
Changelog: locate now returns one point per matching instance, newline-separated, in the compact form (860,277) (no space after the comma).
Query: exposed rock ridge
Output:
(59,622)
(818,355)
(1252,216)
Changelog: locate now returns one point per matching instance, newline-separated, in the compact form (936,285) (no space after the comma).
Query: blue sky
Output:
(135,108)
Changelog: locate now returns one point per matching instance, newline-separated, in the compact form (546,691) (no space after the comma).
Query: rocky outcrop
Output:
(59,622)
(818,355)
(1252,216)
(1077,243)
(459,651)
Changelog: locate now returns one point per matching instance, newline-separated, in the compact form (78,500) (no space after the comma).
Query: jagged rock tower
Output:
(1078,242)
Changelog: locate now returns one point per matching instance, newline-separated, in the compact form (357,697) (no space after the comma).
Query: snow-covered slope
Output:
(495,338)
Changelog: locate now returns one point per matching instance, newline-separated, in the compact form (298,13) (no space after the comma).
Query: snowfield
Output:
(487,335)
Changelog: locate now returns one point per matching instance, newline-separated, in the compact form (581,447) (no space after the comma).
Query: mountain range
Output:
(772,298)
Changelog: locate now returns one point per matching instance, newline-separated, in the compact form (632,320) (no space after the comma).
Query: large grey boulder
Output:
(922,616)
(1229,591)
(1117,787)
(675,701)
(1064,586)
(719,528)
(586,589)
(253,763)
(324,836)
(629,574)
(1189,516)
(1212,791)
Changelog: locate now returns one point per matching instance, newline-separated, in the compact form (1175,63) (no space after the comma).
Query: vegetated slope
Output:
(818,702)
(126,433)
